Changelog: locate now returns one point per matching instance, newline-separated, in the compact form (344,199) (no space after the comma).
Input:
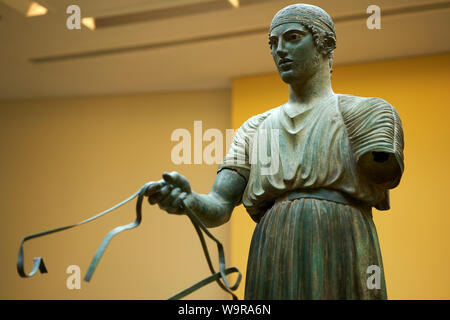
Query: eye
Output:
(294,36)
(273,43)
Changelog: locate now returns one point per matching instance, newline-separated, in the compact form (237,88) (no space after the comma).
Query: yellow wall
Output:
(414,234)
(63,160)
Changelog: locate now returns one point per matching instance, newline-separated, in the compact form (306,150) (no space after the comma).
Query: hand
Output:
(169,192)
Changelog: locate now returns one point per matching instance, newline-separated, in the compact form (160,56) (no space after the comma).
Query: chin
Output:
(287,79)
(291,77)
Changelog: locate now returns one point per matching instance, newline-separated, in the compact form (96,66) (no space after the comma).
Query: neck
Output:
(315,88)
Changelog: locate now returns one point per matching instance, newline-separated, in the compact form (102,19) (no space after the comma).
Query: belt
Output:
(324,194)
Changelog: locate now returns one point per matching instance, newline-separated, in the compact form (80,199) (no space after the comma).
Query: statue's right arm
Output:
(214,209)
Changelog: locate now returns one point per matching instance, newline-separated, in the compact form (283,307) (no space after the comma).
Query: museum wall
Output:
(64,160)
(414,234)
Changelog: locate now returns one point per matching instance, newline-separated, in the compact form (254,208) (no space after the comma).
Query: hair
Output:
(324,41)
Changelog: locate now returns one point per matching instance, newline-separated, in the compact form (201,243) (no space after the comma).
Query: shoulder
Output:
(354,107)
(254,122)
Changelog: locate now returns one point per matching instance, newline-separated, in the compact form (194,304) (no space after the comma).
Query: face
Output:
(294,52)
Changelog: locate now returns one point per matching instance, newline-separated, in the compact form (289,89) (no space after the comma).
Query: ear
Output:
(328,43)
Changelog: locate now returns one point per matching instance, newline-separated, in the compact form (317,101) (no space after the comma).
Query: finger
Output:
(178,203)
(155,190)
(169,177)
(178,180)
(154,187)
(167,202)
(155,198)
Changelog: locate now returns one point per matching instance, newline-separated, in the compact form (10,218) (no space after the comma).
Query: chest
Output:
(313,134)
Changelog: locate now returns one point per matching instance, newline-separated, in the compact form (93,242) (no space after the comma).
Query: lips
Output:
(285,64)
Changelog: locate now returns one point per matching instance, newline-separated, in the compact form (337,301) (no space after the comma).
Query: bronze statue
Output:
(331,158)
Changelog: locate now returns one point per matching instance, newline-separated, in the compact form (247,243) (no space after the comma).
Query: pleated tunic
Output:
(310,248)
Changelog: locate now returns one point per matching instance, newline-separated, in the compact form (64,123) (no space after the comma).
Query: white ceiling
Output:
(188,66)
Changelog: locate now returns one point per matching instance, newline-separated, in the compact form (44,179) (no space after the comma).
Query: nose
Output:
(281,51)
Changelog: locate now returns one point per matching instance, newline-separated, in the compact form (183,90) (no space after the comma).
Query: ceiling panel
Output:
(187,65)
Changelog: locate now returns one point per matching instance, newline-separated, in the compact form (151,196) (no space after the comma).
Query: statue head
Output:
(301,37)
